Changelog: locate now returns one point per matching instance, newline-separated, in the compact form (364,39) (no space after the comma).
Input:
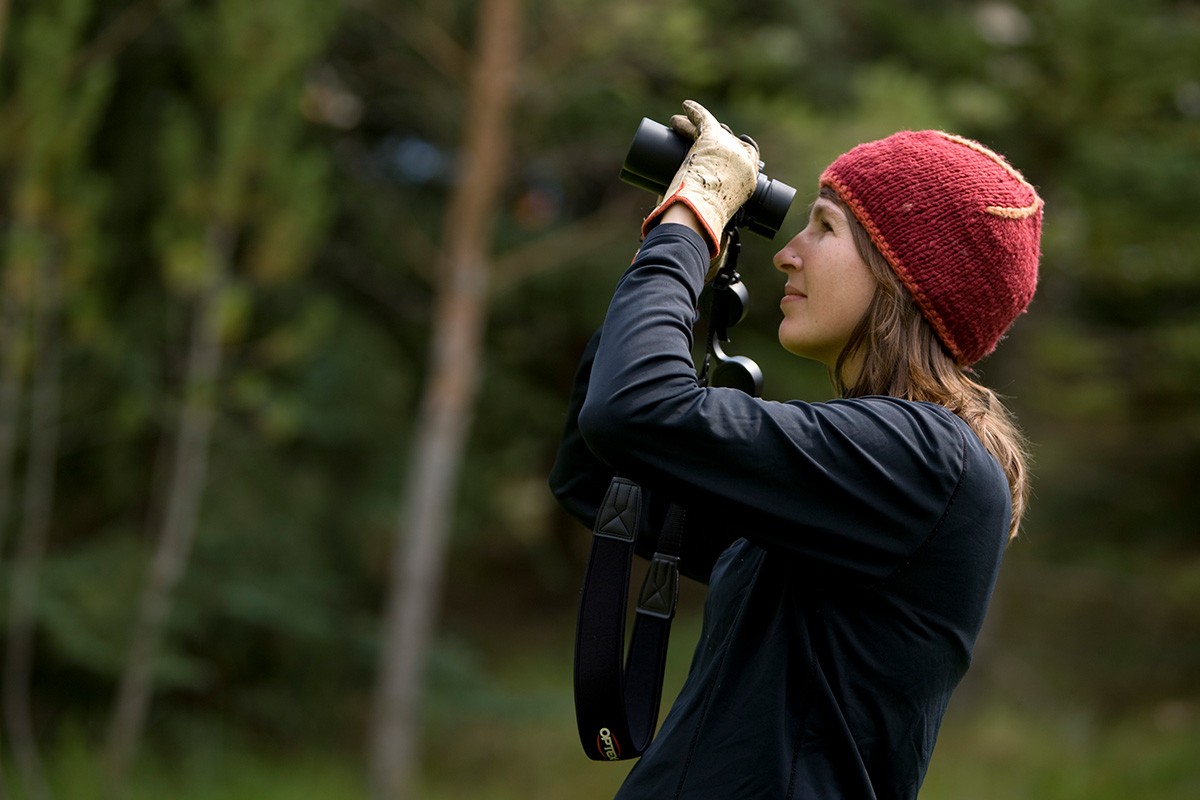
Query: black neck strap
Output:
(617,700)
(617,697)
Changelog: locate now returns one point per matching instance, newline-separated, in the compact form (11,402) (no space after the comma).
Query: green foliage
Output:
(501,727)
(1012,754)
(215,764)
(49,118)
(317,142)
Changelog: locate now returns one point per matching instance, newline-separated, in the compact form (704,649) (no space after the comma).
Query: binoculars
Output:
(657,152)
(653,159)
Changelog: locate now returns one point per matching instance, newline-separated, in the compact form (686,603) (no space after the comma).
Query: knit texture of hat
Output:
(960,227)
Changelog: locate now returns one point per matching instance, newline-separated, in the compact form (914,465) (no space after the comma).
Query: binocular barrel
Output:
(656,154)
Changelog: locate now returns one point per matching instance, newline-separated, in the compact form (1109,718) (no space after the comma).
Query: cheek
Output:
(858,289)
(862,298)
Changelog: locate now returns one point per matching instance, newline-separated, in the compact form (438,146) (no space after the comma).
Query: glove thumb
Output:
(699,116)
(684,126)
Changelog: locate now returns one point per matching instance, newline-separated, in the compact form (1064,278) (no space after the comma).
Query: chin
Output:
(798,350)
(806,350)
(795,346)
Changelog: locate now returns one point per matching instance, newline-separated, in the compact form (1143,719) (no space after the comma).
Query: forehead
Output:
(824,205)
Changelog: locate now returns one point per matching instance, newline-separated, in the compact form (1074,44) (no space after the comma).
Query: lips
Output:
(792,293)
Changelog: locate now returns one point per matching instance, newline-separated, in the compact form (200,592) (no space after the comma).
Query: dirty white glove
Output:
(716,178)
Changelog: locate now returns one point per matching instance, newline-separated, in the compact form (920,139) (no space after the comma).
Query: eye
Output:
(819,220)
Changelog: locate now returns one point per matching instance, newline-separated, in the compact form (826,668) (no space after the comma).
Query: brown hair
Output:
(902,357)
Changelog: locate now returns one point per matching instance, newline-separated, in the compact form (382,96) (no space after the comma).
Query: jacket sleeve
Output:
(858,485)
(579,480)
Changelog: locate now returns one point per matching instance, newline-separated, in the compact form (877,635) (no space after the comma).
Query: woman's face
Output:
(828,288)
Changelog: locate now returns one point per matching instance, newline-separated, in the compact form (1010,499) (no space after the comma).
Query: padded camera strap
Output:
(617,699)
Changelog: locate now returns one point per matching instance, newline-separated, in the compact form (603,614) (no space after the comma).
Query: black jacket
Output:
(851,548)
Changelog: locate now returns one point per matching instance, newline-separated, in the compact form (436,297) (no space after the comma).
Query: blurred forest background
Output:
(238,241)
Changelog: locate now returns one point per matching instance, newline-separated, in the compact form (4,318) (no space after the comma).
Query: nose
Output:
(788,258)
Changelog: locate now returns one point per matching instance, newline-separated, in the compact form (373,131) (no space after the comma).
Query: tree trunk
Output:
(180,518)
(446,408)
(35,529)
(11,325)
(13,314)
(12,335)
(4,8)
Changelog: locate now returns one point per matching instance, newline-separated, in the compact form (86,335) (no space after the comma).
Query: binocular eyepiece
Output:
(657,152)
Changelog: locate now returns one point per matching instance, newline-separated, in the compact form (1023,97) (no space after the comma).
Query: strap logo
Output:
(607,744)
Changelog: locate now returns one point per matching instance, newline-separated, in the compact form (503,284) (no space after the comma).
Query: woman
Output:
(850,547)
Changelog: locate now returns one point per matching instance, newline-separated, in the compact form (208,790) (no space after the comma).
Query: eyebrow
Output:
(826,205)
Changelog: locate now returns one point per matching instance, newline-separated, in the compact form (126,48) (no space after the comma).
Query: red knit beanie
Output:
(958,225)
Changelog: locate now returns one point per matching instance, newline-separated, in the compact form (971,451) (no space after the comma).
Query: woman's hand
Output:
(716,178)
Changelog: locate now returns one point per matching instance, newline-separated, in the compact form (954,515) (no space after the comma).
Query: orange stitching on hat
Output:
(1000,211)
(1015,213)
